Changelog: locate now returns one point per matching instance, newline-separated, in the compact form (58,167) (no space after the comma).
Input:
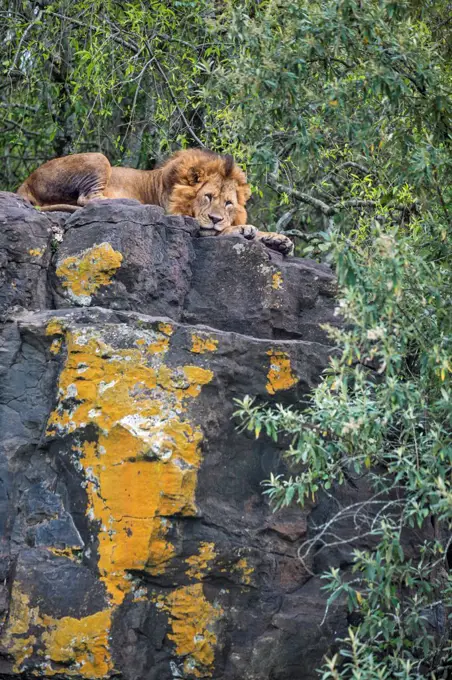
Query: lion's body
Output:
(194,182)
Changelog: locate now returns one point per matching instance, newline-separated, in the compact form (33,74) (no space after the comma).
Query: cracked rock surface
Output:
(135,539)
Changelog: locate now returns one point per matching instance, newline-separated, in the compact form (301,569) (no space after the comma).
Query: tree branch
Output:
(300,196)
(26,107)
(24,35)
(29,133)
(325,208)
(355,166)
(173,97)
(135,48)
(77,22)
(304,235)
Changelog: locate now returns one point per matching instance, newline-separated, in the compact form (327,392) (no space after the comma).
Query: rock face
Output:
(136,542)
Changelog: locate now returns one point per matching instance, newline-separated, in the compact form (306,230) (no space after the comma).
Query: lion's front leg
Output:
(278,242)
(246,230)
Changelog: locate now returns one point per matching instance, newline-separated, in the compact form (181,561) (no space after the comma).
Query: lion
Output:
(194,182)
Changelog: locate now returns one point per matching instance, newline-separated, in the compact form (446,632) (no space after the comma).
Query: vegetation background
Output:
(340,110)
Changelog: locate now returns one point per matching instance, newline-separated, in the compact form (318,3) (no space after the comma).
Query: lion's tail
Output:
(62,207)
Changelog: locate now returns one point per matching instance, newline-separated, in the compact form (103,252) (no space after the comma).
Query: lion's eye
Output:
(208,196)
(228,203)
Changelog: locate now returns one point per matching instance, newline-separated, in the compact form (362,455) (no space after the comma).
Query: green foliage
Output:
(361,97)
(121,78)
(327,99)
(383,413)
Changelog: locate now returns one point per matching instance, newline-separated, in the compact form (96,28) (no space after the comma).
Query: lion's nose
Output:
(215,219)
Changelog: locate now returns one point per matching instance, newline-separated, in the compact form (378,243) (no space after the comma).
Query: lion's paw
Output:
(248,231)
(278,242)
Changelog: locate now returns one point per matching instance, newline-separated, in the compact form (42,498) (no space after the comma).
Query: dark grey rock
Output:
(136,542)
(224,282)
(258,292)
(25,236)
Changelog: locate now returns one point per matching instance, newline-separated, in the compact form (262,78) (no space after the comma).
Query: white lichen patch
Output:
(239,248)
(82,300)
(149,431)
(71,391)
(264,268)
(103,386)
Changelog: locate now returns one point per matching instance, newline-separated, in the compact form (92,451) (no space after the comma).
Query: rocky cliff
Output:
(136,542)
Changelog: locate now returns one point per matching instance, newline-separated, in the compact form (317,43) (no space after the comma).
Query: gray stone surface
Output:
(25,236)
(135,539)
(167,272)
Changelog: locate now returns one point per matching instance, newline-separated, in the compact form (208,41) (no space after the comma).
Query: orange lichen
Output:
(143,467)
(82,643)
(56,345)
(16,638)
(83,274)
(160,345)
(192,619)
(199,563)
(201,344)
(245,570)
(165,328)
(277,280)
(36,252)
(280,376)
(140,471)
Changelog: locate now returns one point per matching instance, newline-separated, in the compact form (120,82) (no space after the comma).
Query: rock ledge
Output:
(136,542)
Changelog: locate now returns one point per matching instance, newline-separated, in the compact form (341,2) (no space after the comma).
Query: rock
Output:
(123,255)
(136,541)
(276,298)
(25,236)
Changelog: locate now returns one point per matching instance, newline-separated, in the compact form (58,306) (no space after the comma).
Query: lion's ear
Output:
(243,193)
(195,175)
(246,192)
(240,216)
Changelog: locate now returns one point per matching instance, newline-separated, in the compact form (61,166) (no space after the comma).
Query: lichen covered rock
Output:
(136,542)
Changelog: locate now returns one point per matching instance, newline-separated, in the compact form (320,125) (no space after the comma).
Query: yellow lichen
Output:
(70,553)
(245,570)
(36,252)
(277,280)
(82,643)
(192,619)
(21,614)
(165,328)
(56,345)
(201,344)
(280,376)
(21,649)
(143,467)
(55,327)
(83,274)
(199,563)
(16,638)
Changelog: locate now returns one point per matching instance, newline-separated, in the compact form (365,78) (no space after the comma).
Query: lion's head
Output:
(208,187)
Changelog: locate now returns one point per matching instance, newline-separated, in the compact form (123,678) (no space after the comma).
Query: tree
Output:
(116,77)
(361,100)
